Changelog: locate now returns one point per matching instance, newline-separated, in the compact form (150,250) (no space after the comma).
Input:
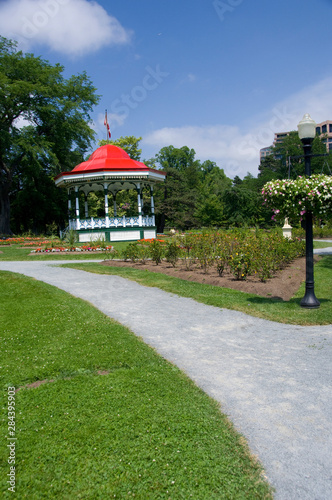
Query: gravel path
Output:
(273,380)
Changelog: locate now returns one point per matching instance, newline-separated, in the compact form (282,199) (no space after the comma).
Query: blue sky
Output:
(218,76)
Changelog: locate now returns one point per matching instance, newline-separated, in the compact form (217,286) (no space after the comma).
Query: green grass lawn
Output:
(143,430)
(272,309)
(322,244)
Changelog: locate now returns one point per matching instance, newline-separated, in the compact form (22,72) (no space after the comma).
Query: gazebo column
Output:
(70,214)
(69,204)
(106,204)
(139,204)
(152,200)
(152,204)
(77,208)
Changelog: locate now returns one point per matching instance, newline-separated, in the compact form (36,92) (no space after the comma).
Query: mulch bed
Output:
(283,285)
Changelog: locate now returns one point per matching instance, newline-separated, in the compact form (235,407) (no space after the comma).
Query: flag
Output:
(108,132)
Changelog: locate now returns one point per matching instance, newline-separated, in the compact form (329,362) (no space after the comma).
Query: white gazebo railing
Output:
(112,222)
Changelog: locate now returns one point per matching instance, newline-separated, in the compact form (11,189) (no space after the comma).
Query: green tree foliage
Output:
(210,209)
(240,206)
(243,203)
(176,199)
(287,161)
(129,143)
(200,194)
(44,129)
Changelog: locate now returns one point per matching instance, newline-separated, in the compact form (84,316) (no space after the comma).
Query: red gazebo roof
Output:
(108,163)
(109,157)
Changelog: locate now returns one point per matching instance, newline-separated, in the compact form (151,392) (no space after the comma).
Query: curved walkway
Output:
(273,380)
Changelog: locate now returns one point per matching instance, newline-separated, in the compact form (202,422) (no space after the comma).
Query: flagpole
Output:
(108,132)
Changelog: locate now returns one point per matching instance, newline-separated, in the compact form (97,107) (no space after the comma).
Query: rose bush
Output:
(243,252)
(293,198)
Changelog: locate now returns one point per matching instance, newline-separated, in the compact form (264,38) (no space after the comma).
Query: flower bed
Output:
(28,241)
(243,253)
(54,244)
(83,248)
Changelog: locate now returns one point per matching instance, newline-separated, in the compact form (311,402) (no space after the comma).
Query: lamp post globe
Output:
(307,132)
(307,127)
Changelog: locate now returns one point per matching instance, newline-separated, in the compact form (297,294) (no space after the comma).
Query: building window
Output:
(330,127)
(318,130)
(324,129)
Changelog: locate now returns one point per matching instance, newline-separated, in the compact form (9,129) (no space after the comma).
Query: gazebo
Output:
(110,170)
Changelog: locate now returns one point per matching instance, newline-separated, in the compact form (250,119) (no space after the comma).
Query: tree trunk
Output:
(4,210)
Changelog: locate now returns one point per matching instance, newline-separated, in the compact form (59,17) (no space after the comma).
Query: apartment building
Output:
(264,152)
(324,130)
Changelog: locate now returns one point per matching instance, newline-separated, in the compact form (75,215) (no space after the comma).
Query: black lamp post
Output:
(307,132)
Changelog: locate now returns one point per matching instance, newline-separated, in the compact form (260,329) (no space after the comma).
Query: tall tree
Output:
(176,199)
(287,160)
(210,208)
(241,206)
(44,127)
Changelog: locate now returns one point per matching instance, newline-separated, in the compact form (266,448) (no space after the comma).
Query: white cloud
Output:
(219,143)
(73,27)
(236,149)
(190,78)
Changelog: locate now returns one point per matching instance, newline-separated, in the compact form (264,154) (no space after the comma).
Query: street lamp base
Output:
(310,300)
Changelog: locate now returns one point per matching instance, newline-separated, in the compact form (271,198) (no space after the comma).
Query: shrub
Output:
(204,251)
(99,243)
(239,264)
(223,252)
(156,251)
(172,252)
(131,252)
(186,243)
(244,252)
(71,238)
(111,253)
